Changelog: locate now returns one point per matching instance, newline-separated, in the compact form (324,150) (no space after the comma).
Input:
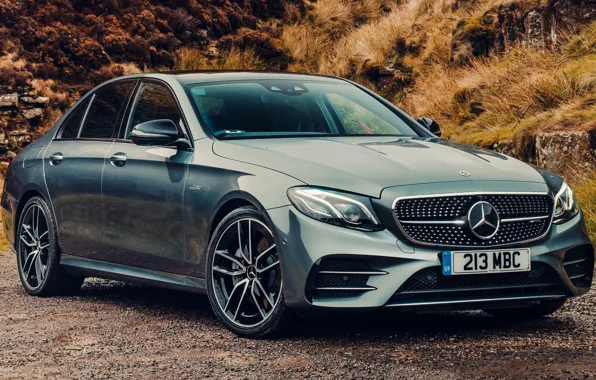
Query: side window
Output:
(71,127)
(154,101)
(104,111)
(357,119)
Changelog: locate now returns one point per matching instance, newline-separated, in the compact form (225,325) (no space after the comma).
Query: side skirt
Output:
(102,269)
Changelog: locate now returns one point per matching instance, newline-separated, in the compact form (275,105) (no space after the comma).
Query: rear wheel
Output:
(544,308)
(38,255)
(244,278)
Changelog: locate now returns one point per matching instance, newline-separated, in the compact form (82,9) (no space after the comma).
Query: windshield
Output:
(285,108)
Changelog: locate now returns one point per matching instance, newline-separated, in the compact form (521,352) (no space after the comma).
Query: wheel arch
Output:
(231,202)
(25,197)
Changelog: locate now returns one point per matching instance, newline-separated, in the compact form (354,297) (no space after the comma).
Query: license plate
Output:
(466,262)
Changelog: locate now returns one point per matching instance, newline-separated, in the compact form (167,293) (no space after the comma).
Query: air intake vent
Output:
(579,265)
(431,285)
(343,277)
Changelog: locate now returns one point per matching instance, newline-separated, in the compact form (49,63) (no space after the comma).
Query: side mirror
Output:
(155,132)
(431,125)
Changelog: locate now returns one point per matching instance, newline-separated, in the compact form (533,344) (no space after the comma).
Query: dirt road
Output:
(114,329)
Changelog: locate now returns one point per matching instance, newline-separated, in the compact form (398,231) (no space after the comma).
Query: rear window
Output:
(278,108)
(71,127)
(104,112)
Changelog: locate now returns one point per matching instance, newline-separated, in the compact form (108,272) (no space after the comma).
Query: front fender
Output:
(211,184)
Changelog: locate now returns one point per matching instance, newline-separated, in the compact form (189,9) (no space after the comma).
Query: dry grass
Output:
(190,59)
(305,45)
(45,87)
(241,60)
(584,43)
(585,194)
(235,59)
(364,47)
(342,37)
(367,10)
(341,15)
(332,17)
(11,60)
(292,13)
(498,97)
(335,33)
(128,68)
(3,241)
(500,92)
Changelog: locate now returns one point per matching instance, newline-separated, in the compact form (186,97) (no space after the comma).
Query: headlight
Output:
(340,209)
(565,207)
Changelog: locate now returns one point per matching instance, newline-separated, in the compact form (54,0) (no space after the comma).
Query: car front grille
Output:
(428,285)
(443,220)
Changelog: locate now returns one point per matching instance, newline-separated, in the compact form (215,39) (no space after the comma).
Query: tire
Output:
(40,273)
(543,309)
(245,288)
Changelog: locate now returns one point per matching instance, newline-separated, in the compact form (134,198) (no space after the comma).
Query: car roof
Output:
(197,77)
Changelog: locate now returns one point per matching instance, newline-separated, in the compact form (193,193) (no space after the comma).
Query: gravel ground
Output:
(113,329)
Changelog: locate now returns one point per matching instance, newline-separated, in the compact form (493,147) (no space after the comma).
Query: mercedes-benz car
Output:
(278,193)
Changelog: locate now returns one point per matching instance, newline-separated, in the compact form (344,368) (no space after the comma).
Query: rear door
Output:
(143,188)
(73,165)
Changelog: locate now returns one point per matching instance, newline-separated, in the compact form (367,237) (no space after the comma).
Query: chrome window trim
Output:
(475,193)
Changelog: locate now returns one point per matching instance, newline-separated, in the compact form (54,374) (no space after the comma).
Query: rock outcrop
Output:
(572,152)
(539,25)
(9,101)
(20,119)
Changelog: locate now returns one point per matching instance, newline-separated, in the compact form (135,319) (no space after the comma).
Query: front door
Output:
(143,188)
(73,165)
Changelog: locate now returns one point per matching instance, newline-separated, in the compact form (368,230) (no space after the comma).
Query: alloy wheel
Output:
(246,273)
(34,243)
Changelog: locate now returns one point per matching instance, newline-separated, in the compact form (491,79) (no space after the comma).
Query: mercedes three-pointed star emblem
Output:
(483,220)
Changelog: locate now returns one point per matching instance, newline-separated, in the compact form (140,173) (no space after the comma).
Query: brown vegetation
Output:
(489,71)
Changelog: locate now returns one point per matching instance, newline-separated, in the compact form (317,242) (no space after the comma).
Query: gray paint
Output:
(345,162)
(150,220)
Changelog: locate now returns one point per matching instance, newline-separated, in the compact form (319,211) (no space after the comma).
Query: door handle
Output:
(118,159)
(56,158)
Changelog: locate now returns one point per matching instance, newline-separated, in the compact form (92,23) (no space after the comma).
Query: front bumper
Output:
(305,243)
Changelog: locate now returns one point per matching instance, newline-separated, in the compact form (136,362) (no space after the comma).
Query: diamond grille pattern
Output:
(451,208)
(516,206)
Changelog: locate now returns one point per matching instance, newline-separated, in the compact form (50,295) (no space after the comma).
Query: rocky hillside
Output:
(516,76)
(52,51)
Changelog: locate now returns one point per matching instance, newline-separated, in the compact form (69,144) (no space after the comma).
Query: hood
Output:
(367,165)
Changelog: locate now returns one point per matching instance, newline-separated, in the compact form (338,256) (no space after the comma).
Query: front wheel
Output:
(244,279)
